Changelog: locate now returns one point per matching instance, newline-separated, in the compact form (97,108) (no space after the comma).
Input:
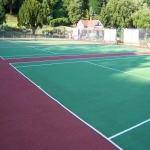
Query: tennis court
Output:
(109,94)
(32,49)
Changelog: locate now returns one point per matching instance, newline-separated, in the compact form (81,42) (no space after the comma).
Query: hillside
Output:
(11,20)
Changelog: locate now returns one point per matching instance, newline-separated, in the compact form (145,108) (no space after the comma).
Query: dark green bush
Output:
(59,21)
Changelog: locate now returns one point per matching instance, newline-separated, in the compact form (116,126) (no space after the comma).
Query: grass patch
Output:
(11,20)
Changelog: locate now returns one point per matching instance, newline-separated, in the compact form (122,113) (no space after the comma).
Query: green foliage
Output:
(10,4)
(65,3)
(48,11)
(120,32)
(147,1)
(97,5)
(91,12)
(55,9)
(2,14)
(112,13)
(118,13)
(75,10)
(59,11)
(141,19)
(86,15)
(54,31)
(59,21)
(31,14)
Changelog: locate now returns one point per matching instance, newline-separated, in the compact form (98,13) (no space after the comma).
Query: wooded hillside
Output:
(112,13)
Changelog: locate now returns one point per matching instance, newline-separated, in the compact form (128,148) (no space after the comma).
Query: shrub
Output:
(59,21)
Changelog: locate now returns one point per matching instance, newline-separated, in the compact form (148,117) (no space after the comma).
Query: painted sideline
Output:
(68,109)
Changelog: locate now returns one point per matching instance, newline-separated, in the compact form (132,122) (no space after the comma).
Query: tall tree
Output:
(148,2)
(75,10)
(86,15)
(52,7)
(10,4)
(18,5)
(65,3)
(118,13)
(85,4)
(2,14)
(141,18)
(31,14)
(48,11)
(59,11)
(96,5)
(91,13)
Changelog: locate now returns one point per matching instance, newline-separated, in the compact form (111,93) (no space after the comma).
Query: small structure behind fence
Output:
(124,36)
(138,37)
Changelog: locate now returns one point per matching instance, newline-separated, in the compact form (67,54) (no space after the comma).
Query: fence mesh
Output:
(25,34)
(123,36)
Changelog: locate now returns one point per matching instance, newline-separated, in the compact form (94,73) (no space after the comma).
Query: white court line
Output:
(118,70)
(33,47)
(1,57)
(48,64)
(138,69)
(62,59)
(68,109)
(64,62)
(11,47)
(100,59)
(42,49)
(10,57)
(129,129)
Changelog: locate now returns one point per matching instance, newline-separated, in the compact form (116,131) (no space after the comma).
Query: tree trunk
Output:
(33,30)
(10,9)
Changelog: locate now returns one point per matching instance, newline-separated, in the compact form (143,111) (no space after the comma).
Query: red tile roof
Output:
(84,22)
(89,23)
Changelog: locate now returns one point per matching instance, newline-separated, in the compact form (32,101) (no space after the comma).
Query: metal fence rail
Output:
(140,37)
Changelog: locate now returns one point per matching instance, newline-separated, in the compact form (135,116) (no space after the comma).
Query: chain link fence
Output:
(139,37)
(44,33)
(132,36)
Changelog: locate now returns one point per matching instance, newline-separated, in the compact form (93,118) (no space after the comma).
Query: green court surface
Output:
(31,38)
(29,49)
(110,94)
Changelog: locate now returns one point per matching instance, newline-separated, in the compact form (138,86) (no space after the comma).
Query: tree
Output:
(9,3)
(75,10)
(96,5)
(54,9)
(59,11)
(48,11)
(86,15)
(148,2)
(2,14)
(31,14)
(141,18)
(91,12)
(118,13)
(85,4)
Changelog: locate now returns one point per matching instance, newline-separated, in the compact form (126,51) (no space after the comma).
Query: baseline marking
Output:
(49,64)
(129,129)
(100,59)
(68,109)
(11,47)
(10,57)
